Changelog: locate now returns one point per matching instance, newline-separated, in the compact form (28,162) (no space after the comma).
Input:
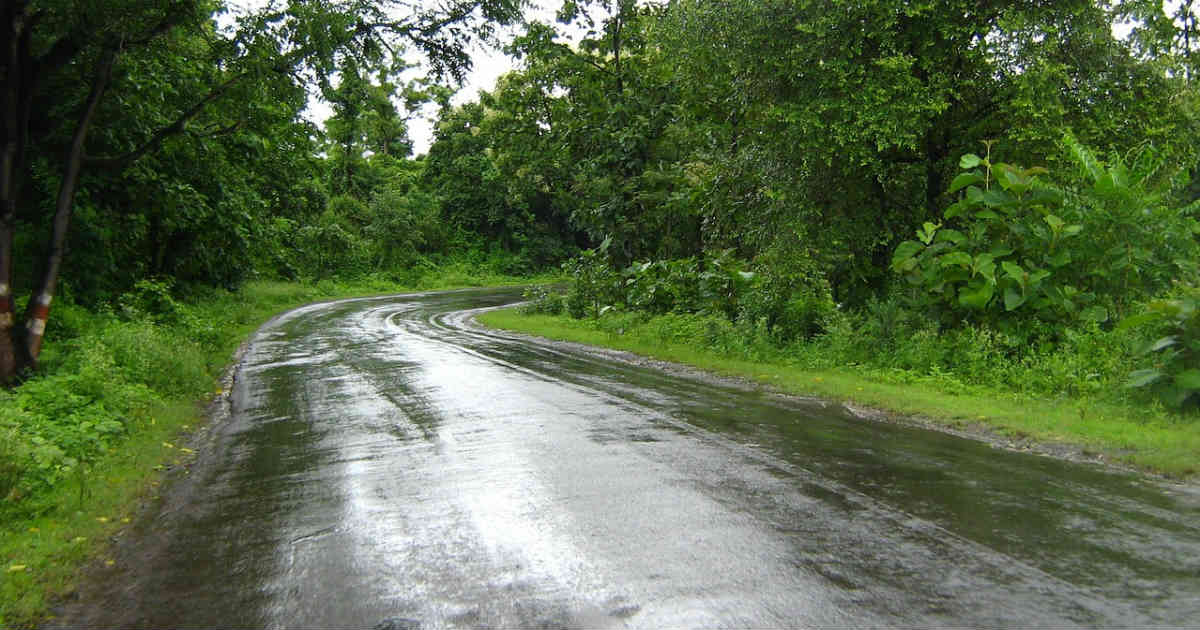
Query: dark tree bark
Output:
(15,106)
(38,309)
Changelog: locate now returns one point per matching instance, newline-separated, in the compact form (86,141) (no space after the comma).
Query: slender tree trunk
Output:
(38,309)
(14,117)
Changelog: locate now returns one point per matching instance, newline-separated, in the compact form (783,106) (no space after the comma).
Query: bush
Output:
(152,356)
(594,285)
(541,301)
(1014,248)
(150,299)
(57,422)
(13,459)
(788,292)
(1174,348)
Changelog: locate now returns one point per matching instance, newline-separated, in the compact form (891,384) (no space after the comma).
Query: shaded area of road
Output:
(387,464)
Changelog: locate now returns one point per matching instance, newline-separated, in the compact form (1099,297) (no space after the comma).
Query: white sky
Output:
(488,64)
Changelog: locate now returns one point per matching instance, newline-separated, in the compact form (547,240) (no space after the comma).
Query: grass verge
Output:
(146,376)
(1148,439)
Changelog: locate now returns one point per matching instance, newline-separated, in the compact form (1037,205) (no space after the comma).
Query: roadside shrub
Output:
(924,349)
(1015,248)
(617,322)
(150,299)
(705,330)
(594,284)
(56,422)
(141,353)
(840,344)
(70,320)
(13,460)
(655,287)
(541,300)
(788,292)
(885,320)
(1174,348)
(723,282)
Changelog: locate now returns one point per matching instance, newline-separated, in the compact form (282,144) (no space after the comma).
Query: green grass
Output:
(1146,438)
(47,534)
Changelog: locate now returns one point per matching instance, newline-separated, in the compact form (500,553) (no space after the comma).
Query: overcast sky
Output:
(487,66)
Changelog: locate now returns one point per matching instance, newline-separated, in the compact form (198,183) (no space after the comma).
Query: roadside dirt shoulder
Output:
(970,430)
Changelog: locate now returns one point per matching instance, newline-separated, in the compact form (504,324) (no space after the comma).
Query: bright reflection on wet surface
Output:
(389,465)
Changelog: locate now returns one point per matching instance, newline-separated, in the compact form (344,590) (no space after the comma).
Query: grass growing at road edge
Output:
(1146,438)
(145,374)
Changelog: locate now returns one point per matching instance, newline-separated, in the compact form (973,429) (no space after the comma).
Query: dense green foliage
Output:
(768,164)
(974,195)
(163,139)
(762,167)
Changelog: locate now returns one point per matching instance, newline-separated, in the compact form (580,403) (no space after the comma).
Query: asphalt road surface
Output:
(389,465)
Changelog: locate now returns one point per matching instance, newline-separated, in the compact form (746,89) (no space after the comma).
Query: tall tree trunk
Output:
(15,106)
(38,310)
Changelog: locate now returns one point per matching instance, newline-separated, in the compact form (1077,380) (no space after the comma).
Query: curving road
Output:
(389,465)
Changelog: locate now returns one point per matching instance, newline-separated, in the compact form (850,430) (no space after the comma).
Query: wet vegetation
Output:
(968,201)
(85,443)
(993,202)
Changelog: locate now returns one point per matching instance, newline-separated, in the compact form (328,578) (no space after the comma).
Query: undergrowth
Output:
(82,440)
(1070,391)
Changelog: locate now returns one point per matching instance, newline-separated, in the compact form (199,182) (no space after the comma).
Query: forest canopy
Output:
(1024,165)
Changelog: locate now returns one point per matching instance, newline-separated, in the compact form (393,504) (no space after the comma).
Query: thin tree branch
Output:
(175,128)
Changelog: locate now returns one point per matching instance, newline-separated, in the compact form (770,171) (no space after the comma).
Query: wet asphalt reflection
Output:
(389,465)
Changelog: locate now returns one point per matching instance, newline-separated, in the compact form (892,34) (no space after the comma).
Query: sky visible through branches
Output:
(488,64)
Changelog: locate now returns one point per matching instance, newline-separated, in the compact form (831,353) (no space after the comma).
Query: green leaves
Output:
(965,179)
(1142,378)
(1013,298)
(903,259)
(927,232)
(1188,379)
(977,295)
(1013,237)
(1176,353)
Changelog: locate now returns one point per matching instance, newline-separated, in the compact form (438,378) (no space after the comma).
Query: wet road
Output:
(388,465)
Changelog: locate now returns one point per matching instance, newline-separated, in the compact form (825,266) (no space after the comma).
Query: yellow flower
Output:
(16,567)
(109,562)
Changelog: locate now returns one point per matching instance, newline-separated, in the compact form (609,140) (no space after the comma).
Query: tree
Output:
(64,61)
(597,117)
(849,117)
